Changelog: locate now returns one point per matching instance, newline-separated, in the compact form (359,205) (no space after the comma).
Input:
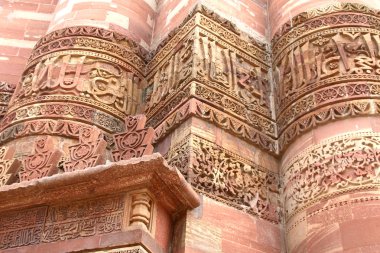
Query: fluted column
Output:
(79,76)
(326,72)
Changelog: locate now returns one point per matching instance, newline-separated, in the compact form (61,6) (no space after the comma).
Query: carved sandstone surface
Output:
(326,67)
(228,177)
(86,209)
(80,75)
(6,91)
(336,166)
(225,72)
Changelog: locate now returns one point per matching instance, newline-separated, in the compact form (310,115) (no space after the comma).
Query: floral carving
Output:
(136,141)
(219,173)
(90,151)
(341,164)
(44,161)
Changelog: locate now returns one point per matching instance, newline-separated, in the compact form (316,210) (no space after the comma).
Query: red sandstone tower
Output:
(189,126)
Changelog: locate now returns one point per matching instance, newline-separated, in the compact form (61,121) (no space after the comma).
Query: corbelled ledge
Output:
(150,172)
(118,205)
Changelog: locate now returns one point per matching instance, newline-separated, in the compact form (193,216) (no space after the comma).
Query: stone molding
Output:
(99,208)
(337,48)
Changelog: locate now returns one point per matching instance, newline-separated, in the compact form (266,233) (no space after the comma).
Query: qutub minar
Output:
(189,126)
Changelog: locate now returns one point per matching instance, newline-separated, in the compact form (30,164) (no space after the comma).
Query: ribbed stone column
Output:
(326,72)
(79,76)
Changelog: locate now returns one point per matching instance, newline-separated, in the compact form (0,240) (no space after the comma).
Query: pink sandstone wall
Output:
(249,16)
(345,219)
(129,17)
(22,24)
(216,227)
(280,11)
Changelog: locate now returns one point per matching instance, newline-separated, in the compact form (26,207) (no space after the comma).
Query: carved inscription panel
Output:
(61,222)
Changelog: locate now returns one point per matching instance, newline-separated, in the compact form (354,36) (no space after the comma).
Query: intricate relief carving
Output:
(6,91)
(81,75)
(220,173)
(203,111)
(21,228)
(44,161)
(8,166)
(224,70)
(84,218)
(340,164)
(81,113)
(323,61)
(89,152)
(135,142)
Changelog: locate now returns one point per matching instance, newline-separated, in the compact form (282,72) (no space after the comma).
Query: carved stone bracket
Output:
(66,207)
(135,142)
(8,166)
(44,161)
(90,151)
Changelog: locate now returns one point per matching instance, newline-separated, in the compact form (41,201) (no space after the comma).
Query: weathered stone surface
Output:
(267,109)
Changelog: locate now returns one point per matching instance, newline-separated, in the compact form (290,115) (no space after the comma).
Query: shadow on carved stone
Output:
(89,152)
(43,162)
(136,141)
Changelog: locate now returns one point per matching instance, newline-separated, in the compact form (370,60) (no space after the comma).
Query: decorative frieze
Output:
(135,142)
(325,66)
(226,176)
(90,151)
(338,165)
(84,74)
(44,161)
(225,70)
(232,125)
(83,219)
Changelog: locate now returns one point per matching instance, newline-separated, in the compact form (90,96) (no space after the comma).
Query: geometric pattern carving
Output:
(44,161)
(135,142)
(90,151)
(8,166)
